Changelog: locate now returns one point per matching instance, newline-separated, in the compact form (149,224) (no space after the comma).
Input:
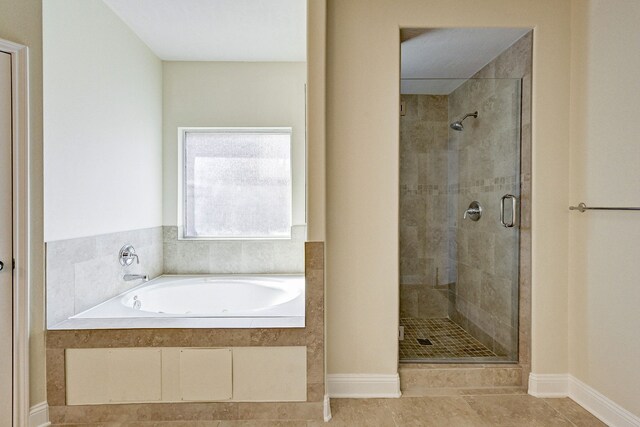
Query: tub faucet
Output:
(130,277)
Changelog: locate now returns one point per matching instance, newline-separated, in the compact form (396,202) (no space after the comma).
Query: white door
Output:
(6,243)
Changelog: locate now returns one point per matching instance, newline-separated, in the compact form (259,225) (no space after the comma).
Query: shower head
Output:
(457,125)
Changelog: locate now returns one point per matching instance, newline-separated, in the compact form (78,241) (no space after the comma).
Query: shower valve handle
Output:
(474,212)
(470,212)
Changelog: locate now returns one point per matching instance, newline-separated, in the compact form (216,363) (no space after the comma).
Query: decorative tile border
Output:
(502,183)
(423,190)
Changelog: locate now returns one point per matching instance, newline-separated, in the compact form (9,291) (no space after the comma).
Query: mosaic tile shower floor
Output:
(448,340)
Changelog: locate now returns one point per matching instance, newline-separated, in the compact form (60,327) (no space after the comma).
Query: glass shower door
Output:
(459,227)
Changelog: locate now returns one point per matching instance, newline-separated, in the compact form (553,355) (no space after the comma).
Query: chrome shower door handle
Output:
(513,210)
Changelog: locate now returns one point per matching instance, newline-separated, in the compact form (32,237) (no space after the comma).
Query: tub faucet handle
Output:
(127,255)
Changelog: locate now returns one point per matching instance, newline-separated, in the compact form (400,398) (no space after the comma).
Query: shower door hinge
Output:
(400,333)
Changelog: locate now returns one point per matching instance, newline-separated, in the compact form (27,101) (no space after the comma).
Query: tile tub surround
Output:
(424,246)
(312,336)
(83,272)
(234,256)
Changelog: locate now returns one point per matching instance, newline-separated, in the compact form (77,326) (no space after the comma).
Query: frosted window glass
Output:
(237,184)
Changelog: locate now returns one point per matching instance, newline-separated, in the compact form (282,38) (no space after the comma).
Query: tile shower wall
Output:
(234,256)
(486,254)
(484,166)
(83,272)
(424,260)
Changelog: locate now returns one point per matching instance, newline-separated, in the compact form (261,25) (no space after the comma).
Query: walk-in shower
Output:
(457,125)
(459,263)
(464,196)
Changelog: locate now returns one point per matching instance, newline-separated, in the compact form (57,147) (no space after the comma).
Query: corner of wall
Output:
(566,385)
(39,415)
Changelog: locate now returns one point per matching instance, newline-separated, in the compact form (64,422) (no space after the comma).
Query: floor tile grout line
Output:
(464,399)
(388,409)
(563,416)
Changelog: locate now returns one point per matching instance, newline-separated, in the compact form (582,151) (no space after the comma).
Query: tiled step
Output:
(437,379)
(420,391)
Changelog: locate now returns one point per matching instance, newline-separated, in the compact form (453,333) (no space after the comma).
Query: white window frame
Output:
(182,182)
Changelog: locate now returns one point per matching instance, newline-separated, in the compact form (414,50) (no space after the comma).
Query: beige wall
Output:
(230,94)
(316,115)
(21,22)
(362,171)
(103,123)
(604,291)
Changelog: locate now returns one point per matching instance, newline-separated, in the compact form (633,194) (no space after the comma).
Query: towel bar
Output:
(582,207)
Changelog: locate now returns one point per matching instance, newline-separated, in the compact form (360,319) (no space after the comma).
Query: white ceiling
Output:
(451,53)
(218,30)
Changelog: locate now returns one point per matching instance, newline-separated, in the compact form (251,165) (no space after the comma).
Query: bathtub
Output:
(201,301)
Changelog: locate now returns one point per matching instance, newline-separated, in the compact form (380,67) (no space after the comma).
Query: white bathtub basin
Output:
(202,301)
(215,296)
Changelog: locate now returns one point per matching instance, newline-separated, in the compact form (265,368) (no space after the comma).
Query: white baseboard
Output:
(549,385)
(565,385)
(363,385)
(600,405)
(39,415)
(327,409)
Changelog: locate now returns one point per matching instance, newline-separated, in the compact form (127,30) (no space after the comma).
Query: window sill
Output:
(233,239)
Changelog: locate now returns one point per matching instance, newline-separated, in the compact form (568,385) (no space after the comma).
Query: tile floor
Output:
(461,411)
(445,411)
(448,340)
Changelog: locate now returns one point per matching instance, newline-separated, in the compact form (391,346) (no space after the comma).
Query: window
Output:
(237,183)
